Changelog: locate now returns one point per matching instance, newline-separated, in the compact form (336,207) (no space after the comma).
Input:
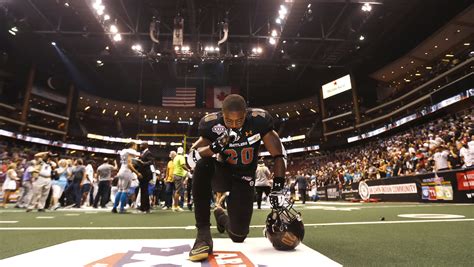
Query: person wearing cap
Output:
(104,173)
(179,173)
(169,182)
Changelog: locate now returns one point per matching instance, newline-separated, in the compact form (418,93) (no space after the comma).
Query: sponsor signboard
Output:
(166,252)
(332,193)
(465,180)
(336,87)
(322,193)
(436,188)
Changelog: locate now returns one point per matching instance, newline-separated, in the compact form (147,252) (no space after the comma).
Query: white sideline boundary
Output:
(190,227)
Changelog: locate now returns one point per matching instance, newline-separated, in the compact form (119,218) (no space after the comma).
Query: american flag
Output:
(179,97)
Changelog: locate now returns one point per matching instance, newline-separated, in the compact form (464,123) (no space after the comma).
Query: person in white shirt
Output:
(262,182)
(125,175)
(9,185)
(441,159)
(42,184)
(87,186)
(465,155)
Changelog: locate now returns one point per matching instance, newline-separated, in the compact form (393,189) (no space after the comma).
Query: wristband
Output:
(278,183)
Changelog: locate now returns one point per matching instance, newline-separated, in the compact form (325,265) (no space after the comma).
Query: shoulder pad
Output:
(210,117)
(258,112)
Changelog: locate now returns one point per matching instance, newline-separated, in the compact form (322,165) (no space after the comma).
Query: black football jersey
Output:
(242,154)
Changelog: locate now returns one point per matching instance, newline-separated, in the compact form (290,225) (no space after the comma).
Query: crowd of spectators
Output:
(443,144)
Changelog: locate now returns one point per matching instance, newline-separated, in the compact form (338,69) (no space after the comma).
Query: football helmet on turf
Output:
(284,226)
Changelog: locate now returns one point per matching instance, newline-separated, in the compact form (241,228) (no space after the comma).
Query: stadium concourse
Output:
(317,133)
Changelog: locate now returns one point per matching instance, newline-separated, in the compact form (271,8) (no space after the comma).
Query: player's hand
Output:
(227,137)
(192,158)
(277,199)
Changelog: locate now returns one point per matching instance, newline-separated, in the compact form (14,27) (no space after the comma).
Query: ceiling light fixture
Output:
(274,33)
(113,29)
(117,37)
(366,7)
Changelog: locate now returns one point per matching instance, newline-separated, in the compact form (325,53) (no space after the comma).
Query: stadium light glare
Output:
(128,114)
(115,113)
(87,108)
(278,21)
(103,111)
(66,4)
(366,7)
(113,29)
(117,37)
(106,17)
(274,33)
(272,41)
(362,38)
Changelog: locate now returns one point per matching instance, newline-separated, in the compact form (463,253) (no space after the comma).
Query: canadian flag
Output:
(215,95)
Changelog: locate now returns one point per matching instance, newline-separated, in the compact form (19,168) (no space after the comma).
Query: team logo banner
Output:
(256,252)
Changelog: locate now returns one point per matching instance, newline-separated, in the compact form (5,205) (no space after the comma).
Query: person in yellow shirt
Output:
(169,181)
(179,174)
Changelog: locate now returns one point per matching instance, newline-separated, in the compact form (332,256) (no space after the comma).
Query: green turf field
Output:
(351,234)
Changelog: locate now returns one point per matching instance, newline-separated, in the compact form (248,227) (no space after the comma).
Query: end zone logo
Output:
(147,255)
(229,258)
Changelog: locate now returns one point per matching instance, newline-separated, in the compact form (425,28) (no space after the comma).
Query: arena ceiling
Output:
(318,41)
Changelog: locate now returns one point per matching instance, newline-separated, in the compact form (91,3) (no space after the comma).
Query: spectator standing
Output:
(104,173)
(262,182)
(302,185)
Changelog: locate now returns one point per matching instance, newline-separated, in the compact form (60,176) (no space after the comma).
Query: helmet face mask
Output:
(284,227)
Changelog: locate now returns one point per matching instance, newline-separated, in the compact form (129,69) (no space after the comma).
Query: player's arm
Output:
(273,145)
(130,166)
(202,146)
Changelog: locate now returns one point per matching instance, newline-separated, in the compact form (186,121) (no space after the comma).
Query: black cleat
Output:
(202,247)
(218,213)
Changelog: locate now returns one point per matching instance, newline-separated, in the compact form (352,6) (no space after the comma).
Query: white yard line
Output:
(8,222)
(45,217)
(192,227)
